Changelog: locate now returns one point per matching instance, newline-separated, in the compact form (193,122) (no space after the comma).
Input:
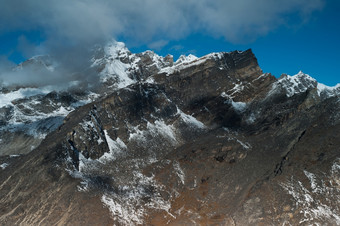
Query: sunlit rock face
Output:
(197,141)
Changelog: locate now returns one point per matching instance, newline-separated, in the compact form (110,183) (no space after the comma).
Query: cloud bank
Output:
(71,27)
(88,20)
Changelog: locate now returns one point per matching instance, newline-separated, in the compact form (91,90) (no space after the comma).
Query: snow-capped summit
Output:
(295,84)
(302,82)
(328,91)
(185,59)
(117,50)
(209,140)
(119,67)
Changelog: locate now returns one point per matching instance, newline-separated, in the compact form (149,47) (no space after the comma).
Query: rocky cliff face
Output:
(199,141)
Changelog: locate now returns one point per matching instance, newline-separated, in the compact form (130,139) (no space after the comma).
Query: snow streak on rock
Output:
(316,199)
(179,172)
(128,206)
(4,165)
(233,136)
(238,106)
(190,120)
(182,63)
(115,147)
(158,128)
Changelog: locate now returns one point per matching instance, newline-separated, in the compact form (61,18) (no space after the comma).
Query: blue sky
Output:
(286,36)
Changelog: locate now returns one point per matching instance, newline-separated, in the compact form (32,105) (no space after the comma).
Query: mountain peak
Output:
(155,139)
(116,49)
(39,62)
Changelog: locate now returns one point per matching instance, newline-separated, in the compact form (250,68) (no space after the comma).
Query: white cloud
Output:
(88,20)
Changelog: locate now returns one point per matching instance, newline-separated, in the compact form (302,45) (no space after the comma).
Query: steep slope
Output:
(210,140)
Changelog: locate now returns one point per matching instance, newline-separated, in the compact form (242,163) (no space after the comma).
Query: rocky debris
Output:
(199,141)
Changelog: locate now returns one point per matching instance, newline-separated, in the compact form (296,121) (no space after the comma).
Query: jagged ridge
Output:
(204,140)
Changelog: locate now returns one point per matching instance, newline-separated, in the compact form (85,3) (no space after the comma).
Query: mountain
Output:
(197,141)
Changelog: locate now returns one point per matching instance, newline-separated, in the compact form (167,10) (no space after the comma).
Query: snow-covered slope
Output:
(302,82)
(328,91)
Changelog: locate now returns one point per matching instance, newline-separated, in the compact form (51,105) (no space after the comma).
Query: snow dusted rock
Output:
(327,91)
(27,115)
(301,83)
(118,67)
(198,141)
(296,84)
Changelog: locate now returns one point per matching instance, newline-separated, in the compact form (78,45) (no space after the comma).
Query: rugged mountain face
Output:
(29,112)
(199,141)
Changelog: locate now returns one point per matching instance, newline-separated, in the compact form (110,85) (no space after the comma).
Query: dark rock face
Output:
(206,141)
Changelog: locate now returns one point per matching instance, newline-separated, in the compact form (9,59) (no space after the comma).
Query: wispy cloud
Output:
(87,20)
(157,45)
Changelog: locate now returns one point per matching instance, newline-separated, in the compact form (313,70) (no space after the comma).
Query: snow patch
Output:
(185,59)
(183,63)
(238,88)
(244,145)
(179,172)
(239,106)
(251,119)
(137,134)
(224,95)
(4,165)
(328,90)
(150,80)
(232,136)
(100,140)
(124,214)
(115,147)
(261,76)
(154,129)
(161,128)
(312,179)
(190,120)
(153,134)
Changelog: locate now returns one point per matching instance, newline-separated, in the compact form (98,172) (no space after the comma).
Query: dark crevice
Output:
(74,155)
(302,134)
(220,158)
(279,166)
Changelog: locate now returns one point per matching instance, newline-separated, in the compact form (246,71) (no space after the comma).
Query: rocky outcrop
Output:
(199,141)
